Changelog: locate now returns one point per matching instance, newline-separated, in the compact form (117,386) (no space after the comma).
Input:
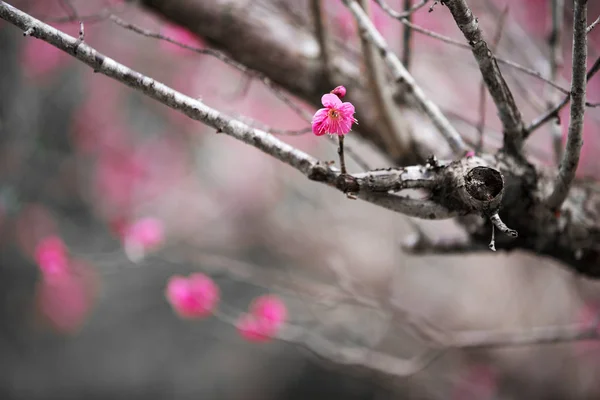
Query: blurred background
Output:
(84,158)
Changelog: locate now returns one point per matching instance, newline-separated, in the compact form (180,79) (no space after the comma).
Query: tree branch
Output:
(556,61)
(538,122)
(403,77)
(570,160)
(508,111)
(387,109)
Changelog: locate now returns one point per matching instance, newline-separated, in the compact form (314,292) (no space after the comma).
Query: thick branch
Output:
(570,160)
(508,111)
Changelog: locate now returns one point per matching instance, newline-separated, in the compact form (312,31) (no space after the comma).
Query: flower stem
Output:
(341,154)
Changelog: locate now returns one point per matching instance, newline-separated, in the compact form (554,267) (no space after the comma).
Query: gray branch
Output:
(509,113)
(570,160)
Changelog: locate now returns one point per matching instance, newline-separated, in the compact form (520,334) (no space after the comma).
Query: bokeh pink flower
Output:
(65,294)
(266,317)
(66,303)
(51,258)
(142,236)
(336,118)
(193,297)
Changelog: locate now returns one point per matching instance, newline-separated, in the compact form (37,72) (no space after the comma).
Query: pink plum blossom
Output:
(339,91)
(270,311)
(267,315)
(335,118)
(193,297)
(141,236)
(51,257)
(66,302)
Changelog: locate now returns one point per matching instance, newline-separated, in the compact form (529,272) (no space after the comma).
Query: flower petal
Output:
(331,100)
(347,109)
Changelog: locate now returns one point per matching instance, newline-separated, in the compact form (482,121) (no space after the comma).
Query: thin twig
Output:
(465,46)
(593,25)
(407,35)
(570,160)
(556,61)
(509,113)
(403,77)
(541,120)
(341,155)
(408,9)
(482,91)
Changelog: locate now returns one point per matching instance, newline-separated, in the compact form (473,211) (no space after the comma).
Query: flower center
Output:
(333,113)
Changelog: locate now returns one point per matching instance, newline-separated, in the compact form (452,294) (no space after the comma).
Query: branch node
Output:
(29,31)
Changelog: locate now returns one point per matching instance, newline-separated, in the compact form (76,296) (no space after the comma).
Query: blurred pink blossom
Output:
(335,119)
(270,311)
(65,303)
(181,35)
(267,315)
(51,258)
(142,236)
(193,297)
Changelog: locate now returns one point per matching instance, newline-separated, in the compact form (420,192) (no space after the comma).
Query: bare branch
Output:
(402,76)
(351,356)
(391,129)
(407,35)
(593,25)
(541,120)
(461,45)
(408,9)
(570,160)
(509,113)
(556,60)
